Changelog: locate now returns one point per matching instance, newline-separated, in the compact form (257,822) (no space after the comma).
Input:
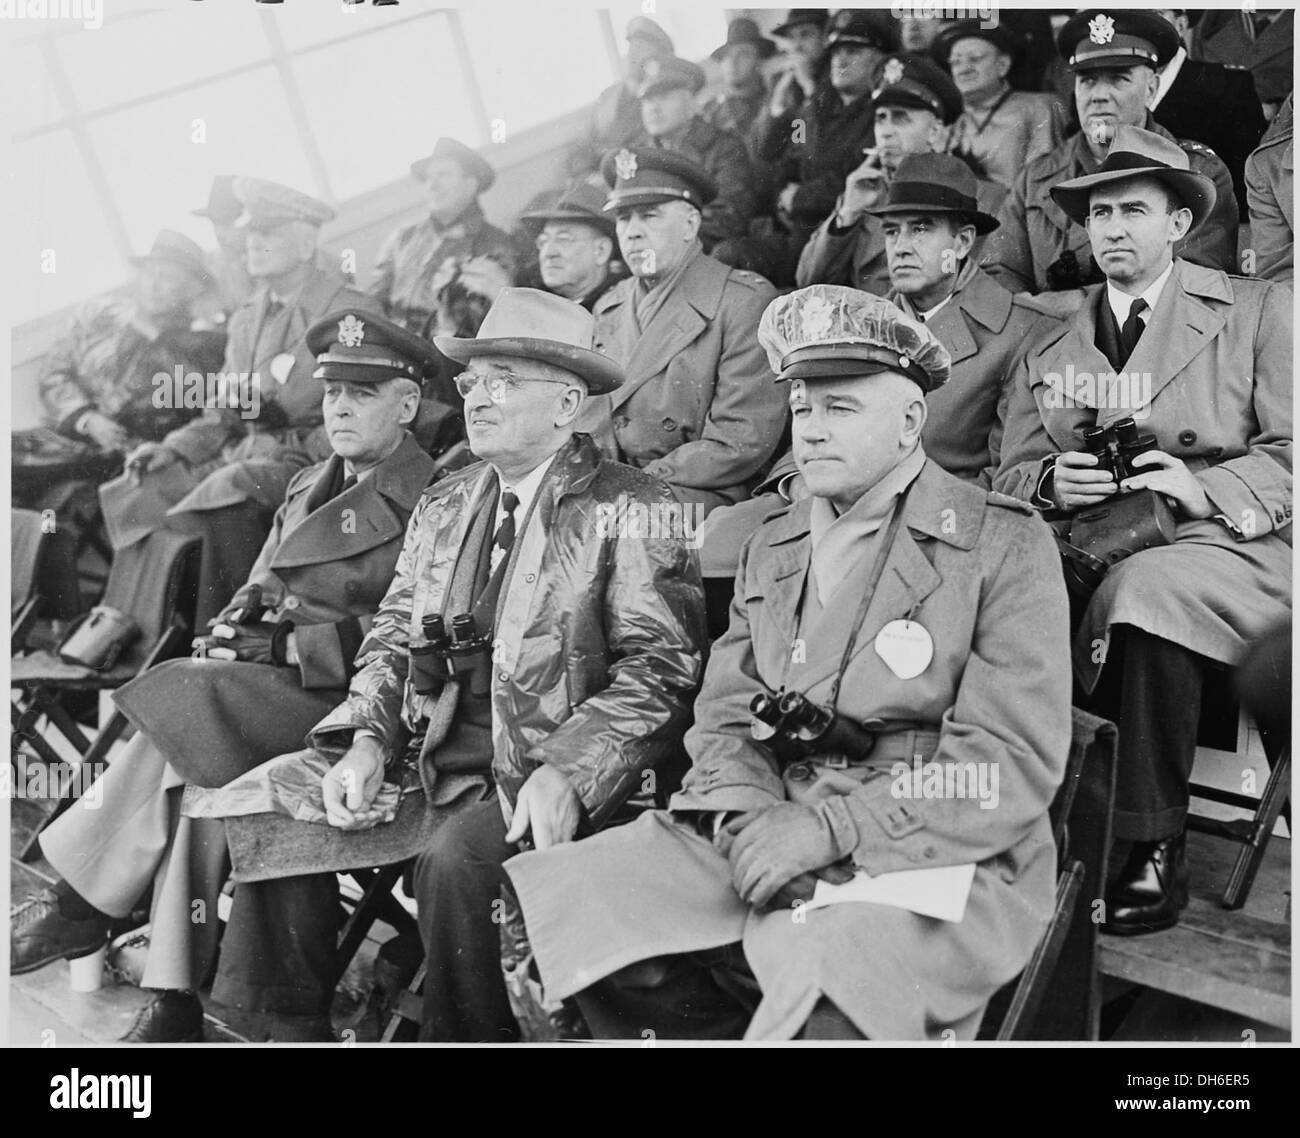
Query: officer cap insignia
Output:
(351,331)
(893,71)
(817,317)
(1101,29)
(625,164)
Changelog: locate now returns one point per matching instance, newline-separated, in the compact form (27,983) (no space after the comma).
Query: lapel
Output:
(1068,357)
(679,322)
(370,514)
(977,298)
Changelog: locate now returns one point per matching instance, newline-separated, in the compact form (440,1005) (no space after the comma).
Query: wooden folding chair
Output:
(154,584)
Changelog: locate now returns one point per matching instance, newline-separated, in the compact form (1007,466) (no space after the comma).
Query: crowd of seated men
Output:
(863,413)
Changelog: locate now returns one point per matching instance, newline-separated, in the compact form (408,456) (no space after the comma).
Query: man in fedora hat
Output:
(668,113)
(1202,361)
(999,129)
(277,658)
(695,410)
(737,106)
(567,714)
(419,259)
(231,284)
(576,243)
(927,619)
(224,474)
(1115,57)
(913,107)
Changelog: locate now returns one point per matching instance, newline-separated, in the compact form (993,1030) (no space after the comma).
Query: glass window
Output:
(536,64)
(60,214)
(319,21)
(28,89)
(369,130)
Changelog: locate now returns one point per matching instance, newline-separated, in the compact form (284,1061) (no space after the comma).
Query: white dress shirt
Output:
(1122,302)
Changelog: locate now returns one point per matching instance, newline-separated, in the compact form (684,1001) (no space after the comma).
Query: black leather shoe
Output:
(40,934)
(1150,891)
(170,1017)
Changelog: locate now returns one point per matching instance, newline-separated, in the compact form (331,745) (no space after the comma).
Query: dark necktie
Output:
(348,483)
(504,538)
(1131,333)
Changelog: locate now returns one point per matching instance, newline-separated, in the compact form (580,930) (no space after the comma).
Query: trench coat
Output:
(325,566)
(700,407)
(856,256)
(980,574)
(1270,190)
(1218,355)
(998,139)
(1034,231)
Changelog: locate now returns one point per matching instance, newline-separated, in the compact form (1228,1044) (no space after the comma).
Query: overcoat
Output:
(700,407)
(1034,231)
(325,566)
(980,575)
(1211,379)
(1270,190)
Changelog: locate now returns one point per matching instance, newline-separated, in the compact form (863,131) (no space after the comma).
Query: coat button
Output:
(799,772)
(620,422)
(291,602)
(502,677)
(1216,452)
(1187,438)
(531,578)
(929,852)
(669,425)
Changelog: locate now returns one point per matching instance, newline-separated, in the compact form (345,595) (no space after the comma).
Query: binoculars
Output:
(443,655)
(794,728)
(1115,447)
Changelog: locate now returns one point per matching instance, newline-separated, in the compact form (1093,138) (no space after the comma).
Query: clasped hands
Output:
(1076,483)
(240,634)
(779,854)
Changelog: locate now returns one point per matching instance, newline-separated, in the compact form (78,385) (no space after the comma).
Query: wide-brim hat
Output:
(794,17)
(1139,153)
(358,346)
(175,249)
(583,203)
(743,30)
(1097,38)
(935,183)
(529,324)
(1005,39)
(223,205)
(468,160)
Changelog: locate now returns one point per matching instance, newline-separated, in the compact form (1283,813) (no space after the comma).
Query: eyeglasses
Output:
(559,240)
(498,384)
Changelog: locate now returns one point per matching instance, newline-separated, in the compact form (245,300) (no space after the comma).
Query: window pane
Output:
(149,52)
(316,22)
(159,173)
(28,91)
(58,212)
(535,63)
(379,102)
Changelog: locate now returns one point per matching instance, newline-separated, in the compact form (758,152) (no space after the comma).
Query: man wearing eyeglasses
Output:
(567,715)
(575,246)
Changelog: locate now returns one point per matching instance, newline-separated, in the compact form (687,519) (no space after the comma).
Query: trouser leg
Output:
(457,882)
(279,951)
(1151,689)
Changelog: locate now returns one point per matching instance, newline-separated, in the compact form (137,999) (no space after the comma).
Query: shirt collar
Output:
(1122,302)
(1169,76)
(925,316)
(525,488)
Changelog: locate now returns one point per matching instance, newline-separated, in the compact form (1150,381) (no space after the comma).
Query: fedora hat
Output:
(743,30)
(223,205)
(534,325)
(1139,153)
(176,249)
(474,165)
(583,202)
(935,183)
(1006,40)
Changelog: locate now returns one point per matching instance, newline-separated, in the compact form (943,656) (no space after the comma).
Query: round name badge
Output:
(905,647)
(281,366)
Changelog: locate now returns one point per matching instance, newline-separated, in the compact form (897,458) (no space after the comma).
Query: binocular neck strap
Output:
(877,571)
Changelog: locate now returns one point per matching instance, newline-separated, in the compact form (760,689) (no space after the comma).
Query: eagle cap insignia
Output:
(1101,29)
(351,331)
(817,319)
(893,71)
(625,165)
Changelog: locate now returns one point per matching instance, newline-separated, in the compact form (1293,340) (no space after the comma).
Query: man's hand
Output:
(548,806)
(864,188)
(1170,476)
(803,886)
(484,277)
(249,643)
(782,842)
(785,200)
(352,784)
(103,431)
(150,456)
(1075,482)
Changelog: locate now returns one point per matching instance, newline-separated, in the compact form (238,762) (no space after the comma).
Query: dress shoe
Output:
(1151,889)
(170,1017)
(40,934)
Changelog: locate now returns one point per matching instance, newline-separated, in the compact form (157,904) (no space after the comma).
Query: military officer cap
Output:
(1138,153)
(870,27)
(583,203)
(915,81)
(669,74)
(817,17)
(468,160)
(361,347)
(650,174)
(645,29)
(270,204)
(1006,40)
(935,183)
(1097,37)
(827,330)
